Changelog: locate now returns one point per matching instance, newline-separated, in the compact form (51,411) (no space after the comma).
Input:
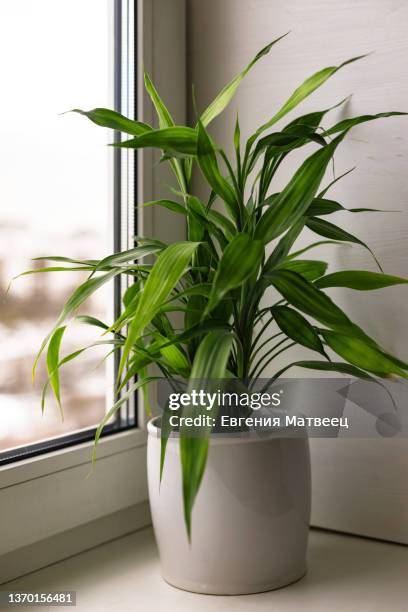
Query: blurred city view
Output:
(27,314)
(55,184)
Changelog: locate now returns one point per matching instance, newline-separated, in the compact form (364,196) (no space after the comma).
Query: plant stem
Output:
(282,350)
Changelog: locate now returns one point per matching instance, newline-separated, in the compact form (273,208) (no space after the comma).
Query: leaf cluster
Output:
(239,245)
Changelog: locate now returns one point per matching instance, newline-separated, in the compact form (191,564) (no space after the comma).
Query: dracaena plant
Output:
(238,244)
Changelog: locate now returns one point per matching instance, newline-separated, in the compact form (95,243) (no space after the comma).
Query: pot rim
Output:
(243,437)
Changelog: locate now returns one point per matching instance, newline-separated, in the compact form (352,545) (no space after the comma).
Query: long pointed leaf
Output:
(207,161)
(346,124)
(124,256)
(210,363)
(165,119)
(82,293)
(240,260)
(111,119)
(308,299)
(170,265)
(52,363)
(304,90)
(359,280)
(329,230)
(295,199)
(310,269)
(173,139)
(228,92)
(364,356)
(297,328)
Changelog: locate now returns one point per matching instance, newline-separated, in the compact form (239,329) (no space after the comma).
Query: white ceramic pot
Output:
(250,520)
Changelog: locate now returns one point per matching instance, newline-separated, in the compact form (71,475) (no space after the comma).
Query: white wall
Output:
(222,36)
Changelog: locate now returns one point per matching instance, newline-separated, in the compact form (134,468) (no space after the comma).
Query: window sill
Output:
(56,461)
(345,573)
(56,505)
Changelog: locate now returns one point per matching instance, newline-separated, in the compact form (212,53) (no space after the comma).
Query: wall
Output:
(355,482)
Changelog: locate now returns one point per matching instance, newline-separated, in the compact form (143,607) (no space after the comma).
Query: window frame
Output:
(124,201)
(51,509)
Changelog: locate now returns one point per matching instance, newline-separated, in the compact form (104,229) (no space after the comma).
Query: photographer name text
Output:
(227,421)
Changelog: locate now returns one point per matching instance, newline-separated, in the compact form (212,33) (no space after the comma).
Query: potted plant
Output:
(242,525)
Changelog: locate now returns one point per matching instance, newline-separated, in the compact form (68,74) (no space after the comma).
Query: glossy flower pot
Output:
(251,517)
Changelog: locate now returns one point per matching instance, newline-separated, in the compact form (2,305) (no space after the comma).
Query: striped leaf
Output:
(295,199)
(170,266)
(228,92)
(304,90)
(360,280)
(240,260)
(115,121)
(210,364)
(297,328)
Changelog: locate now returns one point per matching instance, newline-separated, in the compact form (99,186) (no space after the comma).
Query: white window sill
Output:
(345,573)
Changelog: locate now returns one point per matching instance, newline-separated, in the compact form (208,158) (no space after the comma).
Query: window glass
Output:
(55,190)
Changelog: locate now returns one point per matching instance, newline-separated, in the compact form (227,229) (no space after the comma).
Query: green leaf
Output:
(131,293)
(307,298)
(68,358)
(359,280)
(174,139)
(295,199)
(207,161)
(297,328)
(283,247)
(91,321)
(165,119)
(169,204)
(198,289)
(210,364)
(325,366)
(304,90)
(239,261)
(140,360)
(363,355)
(312,120)
(321,206)
(376,210)
(82,293)
(297,133)
(227,93)
(329,230)
(199,330)
(165,430)
(173,356)
(237,138)
(84,262)
(124,256)
(52,269)
(195,307)
(223,222)
(53,361)
(125,397)
(334,181)
(310,269)
(169,267)
(334,366)
(280,143)
(314,245)
(346,124)
(111,119)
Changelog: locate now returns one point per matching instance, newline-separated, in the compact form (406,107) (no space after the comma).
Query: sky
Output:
(55,56)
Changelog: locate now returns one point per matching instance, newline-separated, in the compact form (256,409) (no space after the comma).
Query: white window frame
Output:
(51,506)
